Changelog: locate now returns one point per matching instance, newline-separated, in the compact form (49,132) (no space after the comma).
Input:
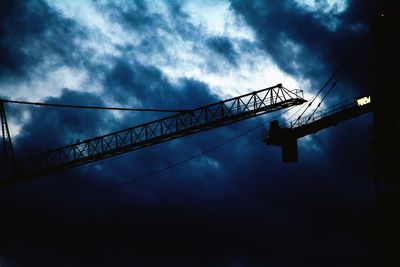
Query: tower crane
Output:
(147,134)
(386,142)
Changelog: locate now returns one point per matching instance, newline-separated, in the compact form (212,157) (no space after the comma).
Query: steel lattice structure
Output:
(8,153)
(154,132)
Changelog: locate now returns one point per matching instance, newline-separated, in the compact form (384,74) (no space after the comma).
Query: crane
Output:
(386,132)
(286,136)
(147,134)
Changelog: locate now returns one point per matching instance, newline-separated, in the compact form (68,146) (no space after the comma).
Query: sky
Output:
(237,205)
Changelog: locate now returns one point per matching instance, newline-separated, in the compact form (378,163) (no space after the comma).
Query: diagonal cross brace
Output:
(172,127)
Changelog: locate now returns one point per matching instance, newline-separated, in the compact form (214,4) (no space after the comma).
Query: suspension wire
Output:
(338,78)
(190,158)
(92,107)
(298,110)
(173,165)
(337,73)
(323,98)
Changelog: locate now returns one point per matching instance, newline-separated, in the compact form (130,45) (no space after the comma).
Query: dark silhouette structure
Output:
(286,137)
(384,102)
(172,127)
(8,152)
(7,159)
(386,142)
(386,132)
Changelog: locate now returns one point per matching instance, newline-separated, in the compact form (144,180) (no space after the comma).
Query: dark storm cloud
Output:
(235,206)
(148,86)
(138,16)
(54,127)
(179,28)
(320,49)
(224,47)
(32,33)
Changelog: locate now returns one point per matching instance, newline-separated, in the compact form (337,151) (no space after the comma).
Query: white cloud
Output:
(310,144)
(205,162)
(327,7)
(50,84)
(15,126)
(104,34)
(181,57)
(217,19)
(190,59)
(325,11)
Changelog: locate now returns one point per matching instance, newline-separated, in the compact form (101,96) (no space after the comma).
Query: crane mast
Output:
(150,133)
(8,152)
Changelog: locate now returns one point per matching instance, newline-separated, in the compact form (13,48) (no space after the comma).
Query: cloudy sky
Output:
(237,205)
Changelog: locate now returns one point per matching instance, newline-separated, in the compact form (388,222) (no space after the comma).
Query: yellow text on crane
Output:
(364,100)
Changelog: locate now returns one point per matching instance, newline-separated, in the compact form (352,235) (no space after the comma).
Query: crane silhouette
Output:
(183,123)
(187,122)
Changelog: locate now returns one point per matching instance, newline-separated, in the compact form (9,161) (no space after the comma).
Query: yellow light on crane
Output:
(364,100)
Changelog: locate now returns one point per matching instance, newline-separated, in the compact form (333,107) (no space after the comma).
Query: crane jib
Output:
(171,127)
